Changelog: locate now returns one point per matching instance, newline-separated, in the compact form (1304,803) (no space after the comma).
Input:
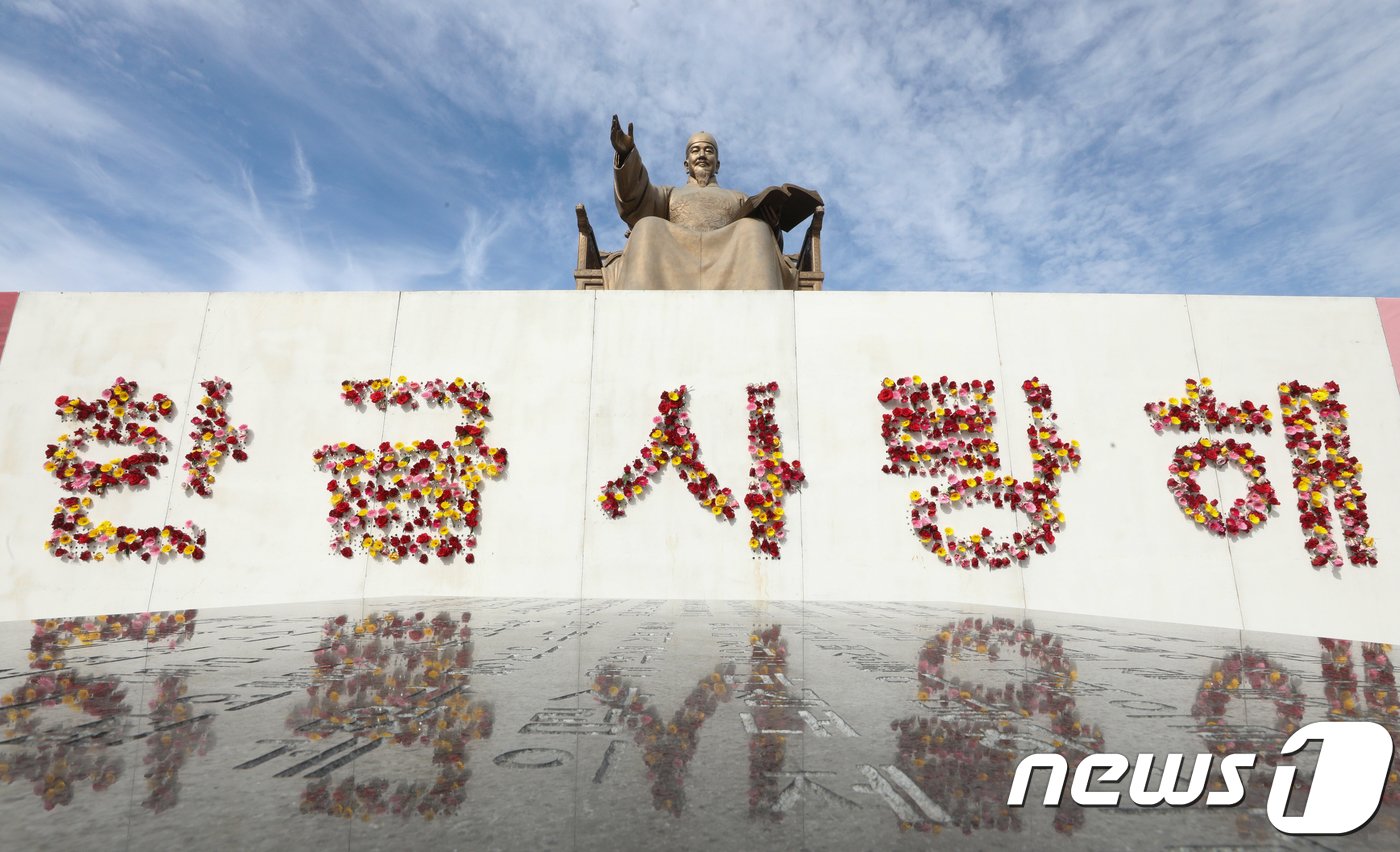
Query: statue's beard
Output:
(703,175)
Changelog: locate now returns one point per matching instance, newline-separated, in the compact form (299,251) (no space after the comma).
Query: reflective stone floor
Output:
(634,724)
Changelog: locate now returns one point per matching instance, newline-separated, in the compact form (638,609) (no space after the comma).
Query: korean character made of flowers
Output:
(944,430)
(416,499)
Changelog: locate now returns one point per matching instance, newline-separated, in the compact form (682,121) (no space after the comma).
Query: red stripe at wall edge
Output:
(1389,309)
(7,313)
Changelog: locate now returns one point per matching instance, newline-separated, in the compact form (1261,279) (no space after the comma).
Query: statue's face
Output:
(701,158)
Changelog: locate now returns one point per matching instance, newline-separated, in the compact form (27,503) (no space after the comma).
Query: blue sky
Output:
(1218,147)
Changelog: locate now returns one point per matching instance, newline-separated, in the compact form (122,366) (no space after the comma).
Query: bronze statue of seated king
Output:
(700,236)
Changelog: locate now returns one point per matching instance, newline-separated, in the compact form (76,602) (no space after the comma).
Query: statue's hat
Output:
(703,136)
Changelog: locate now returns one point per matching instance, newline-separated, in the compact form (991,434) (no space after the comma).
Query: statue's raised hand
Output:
(622,142)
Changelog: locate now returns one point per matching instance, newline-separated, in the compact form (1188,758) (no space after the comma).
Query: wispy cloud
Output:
(251,193)
(34,107)
(306,181)
(37,245)
(474,250)
(1195,147)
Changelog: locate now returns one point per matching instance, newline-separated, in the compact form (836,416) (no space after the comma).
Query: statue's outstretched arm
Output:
(635,195)
(622,142)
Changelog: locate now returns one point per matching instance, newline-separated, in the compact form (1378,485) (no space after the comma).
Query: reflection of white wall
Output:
(574,379)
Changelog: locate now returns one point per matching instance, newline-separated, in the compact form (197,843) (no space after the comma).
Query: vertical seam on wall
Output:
(169,505)
(383,430)
(582,542)
(1215,472)
(587,450)
(1010,461)
(181,438)
(797,421)
(801,537)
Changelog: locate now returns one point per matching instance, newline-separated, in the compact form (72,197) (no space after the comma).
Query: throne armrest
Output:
(809,259)
(588,275)
(588,256)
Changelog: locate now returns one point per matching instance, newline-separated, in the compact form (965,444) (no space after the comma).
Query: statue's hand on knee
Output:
(772,215)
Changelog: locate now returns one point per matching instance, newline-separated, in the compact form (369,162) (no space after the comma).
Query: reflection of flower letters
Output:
(55,755)
(774,718)
(962,758)
(1377,701)
(1250,675)
(672,443)
(944,429)
(397,679)
(668,748)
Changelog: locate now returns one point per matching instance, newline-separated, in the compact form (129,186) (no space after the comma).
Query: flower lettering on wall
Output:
(673,444)
(116,418)
(946,430)
(75,536)
(416,499)
(1315,432)
(771,477)
(214,438)
(1199,408)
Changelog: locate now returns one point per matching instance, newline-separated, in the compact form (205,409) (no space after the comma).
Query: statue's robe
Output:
(691,237)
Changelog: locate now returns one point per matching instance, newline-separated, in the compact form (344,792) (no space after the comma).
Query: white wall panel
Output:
(286,354)
(1248,346)
(1125,548)
(76,344)
(668,545)
(574,380)
(531,352)
(857,538)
